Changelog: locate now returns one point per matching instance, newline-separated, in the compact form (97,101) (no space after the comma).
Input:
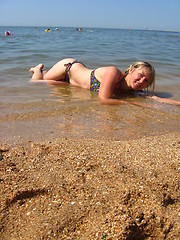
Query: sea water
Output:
(95,47)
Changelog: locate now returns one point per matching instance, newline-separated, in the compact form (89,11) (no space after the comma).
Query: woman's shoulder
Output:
(112,71)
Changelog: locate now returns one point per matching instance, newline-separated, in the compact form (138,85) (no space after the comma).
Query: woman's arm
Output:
(165,100)
(109,79)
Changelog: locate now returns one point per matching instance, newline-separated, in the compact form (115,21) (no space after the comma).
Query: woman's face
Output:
(139,78)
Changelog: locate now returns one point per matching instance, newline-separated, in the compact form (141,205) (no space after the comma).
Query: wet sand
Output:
(64,181)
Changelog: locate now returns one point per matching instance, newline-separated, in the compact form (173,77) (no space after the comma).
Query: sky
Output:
(125,14)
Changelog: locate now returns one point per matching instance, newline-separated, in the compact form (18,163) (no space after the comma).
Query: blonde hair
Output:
(146,66)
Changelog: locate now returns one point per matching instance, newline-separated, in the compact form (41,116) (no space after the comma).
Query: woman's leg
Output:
(58,71)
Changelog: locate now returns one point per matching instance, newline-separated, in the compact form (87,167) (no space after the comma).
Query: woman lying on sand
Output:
(107,81)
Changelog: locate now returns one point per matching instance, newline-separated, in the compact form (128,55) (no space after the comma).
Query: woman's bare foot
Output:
(39,67)
(37,72)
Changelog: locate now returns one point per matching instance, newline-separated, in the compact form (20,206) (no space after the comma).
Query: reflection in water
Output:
(73,112)
(85,116)
(70,93)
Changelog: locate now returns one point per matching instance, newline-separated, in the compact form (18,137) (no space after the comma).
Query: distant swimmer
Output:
(7,33)
(79,29)
(48,30)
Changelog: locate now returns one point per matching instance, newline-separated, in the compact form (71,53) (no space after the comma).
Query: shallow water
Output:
(76,113)
(36,111)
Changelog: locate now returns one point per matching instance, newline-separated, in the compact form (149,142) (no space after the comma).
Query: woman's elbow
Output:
(104,95)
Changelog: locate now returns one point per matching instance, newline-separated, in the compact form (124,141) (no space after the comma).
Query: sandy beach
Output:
(72,168)
(67,188)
